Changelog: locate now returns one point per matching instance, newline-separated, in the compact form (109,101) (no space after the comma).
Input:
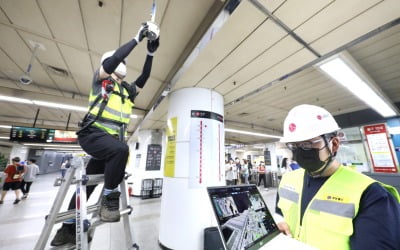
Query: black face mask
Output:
(308,159)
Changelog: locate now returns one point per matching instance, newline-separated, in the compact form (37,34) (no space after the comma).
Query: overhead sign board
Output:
(41,135)
(26,134)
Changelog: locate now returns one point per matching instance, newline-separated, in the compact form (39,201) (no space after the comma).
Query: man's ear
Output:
(335,144)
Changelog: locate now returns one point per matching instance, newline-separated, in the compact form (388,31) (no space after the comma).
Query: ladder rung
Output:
(71,213)
(91,209)
(97,222)
(92,180)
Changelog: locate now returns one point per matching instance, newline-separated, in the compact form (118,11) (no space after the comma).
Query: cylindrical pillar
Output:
(194,160)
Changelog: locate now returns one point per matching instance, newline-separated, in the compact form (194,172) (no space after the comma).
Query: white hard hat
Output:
(121,68)
(305,122)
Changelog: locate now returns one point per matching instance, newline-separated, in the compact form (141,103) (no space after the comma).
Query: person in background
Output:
(325,204)
(244,172)
(237,171)
(261,175)
(14,173)
(229,172)
(284,168)
(30,175)
(234,173)
(250,168)
(64,167)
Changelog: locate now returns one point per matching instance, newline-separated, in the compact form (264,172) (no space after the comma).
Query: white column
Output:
(138,158)
(194,160)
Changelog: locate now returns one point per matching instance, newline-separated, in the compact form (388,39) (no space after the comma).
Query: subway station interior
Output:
(223,79)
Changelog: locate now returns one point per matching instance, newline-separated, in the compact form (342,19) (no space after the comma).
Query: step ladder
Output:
(85,228)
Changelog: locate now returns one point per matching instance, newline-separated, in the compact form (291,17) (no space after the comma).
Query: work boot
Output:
(64,235)
(109,210)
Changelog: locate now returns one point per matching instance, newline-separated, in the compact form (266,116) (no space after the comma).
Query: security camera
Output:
(25,79)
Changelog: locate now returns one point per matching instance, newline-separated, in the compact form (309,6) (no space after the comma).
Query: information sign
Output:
(379,148)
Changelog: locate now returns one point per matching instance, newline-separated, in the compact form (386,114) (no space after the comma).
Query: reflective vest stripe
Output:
(289,195)
(108,125)
(333,207)
(111,111)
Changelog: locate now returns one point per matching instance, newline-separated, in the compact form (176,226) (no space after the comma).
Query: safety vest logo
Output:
(336,198)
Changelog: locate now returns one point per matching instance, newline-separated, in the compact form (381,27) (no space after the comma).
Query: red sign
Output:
(379,148)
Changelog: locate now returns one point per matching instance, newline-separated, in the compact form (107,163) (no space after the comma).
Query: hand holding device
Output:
(143,30)
(152,45)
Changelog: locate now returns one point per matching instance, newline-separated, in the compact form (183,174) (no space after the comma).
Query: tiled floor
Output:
(21,224)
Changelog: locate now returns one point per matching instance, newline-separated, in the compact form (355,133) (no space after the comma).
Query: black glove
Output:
(153,45)
(141,32)
(131,88)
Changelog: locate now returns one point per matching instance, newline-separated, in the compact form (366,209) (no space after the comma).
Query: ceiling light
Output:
(59,105)
(43,103)
(345,70)
(251,133)
(63,149)
(52,145)
(5,126)
(133,116)
(5,137)
(14,99)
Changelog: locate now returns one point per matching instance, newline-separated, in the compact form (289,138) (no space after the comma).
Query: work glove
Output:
(153,45)
(131,88)
(141,32)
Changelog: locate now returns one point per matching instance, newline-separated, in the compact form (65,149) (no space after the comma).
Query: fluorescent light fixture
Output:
(59,105)
(133,116)
(43,103)
(52,145)
(5,137)
(5,126)
(63,149)
(251,133)
(345,70)
(14,99)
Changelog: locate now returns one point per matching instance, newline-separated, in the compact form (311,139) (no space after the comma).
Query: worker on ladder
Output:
(110,104)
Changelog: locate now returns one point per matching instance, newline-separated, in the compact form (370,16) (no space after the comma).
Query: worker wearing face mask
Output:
(325,204)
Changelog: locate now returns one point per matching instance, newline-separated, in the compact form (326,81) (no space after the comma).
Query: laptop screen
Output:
(243,217)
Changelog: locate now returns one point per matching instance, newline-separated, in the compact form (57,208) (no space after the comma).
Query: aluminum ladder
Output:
(76,174)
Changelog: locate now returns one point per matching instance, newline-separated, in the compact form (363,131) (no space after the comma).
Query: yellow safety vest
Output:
(328,219)
(115,110)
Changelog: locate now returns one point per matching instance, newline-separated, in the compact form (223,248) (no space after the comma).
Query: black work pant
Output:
(109,156)
(25,186)
(263,178)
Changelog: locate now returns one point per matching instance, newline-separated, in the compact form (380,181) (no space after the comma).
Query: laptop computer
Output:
(245,222)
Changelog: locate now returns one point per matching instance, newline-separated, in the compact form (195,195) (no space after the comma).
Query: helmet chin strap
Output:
(328,161)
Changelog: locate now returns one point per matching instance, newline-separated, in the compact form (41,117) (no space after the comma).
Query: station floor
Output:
(21,224)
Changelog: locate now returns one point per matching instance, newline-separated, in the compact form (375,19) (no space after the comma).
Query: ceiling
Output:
(261,59)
